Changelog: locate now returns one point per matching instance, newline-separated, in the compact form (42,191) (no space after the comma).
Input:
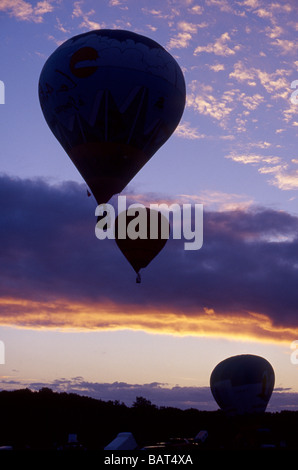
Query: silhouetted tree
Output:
(142,402)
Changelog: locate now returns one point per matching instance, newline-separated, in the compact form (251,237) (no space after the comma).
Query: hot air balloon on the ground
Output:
(242,384)
(153,229)
(112,98)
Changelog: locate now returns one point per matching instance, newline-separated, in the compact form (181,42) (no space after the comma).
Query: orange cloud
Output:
(62,315)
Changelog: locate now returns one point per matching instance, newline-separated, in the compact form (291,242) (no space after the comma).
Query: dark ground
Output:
(44,420)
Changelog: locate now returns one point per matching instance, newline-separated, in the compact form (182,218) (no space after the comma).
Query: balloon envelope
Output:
(112,98)
(153,228)
(242,384)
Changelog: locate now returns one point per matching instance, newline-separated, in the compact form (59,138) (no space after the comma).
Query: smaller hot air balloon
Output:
(141,237)
(242,384)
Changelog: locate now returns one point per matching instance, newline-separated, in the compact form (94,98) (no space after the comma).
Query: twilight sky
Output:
(71,315)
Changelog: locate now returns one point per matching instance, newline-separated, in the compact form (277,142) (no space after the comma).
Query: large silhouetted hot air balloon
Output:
(112,98)
(141,236)
(242,384)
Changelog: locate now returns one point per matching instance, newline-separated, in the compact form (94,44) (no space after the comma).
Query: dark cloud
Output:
(158,393)
(49,252)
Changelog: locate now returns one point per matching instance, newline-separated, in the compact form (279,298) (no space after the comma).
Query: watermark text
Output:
(132,222)
(294,94)
(2,92)
(2,352)
(294,354)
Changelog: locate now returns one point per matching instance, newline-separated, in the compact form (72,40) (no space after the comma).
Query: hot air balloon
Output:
(112,98)
(141,237)
(242,384)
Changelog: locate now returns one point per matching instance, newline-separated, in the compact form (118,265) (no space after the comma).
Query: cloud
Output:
(42,8)
(185,131)
(282,174)
(196,10)
(263,145)
(180,41)
(274,32)
(86,21)
(158,13)
(159,394)
(56,274)
(154,12)
(200,97)
(217,67)
(191,28)
(290,113)
(285,178)
(218,47)
(253,158)
(243,74)
(223,202)
(116,3)
(250,3)
(187,27)
(224,6)
(61,27)
(264,13)
(286,46)
(251,102)
(275,83)
(58,42)
(229,108)
(24,11)
(152,28)
(266,10)
(283,400)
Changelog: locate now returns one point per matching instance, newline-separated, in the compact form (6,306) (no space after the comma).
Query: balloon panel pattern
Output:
(242,384)
(112,98)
